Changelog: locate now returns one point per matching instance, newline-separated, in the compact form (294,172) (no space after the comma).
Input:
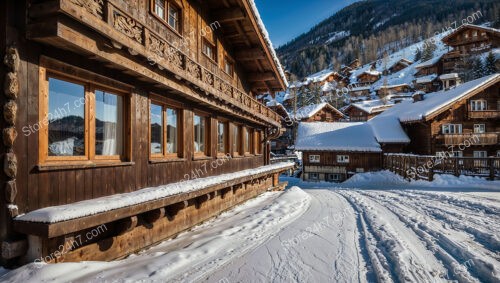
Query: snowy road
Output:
(416,234)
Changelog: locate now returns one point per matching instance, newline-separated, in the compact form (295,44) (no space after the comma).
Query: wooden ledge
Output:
(83,165)
(51,230)
(166,160)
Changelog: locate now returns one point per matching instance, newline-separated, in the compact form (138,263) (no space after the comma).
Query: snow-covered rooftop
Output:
(449,76)
(426,79)
(373,106)
(319,76)
(309,110)
(336,137)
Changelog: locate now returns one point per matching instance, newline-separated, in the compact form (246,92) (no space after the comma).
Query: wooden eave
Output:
(251,50)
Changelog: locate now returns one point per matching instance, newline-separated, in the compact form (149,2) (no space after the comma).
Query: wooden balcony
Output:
(469,40)
(471,139)
(124,32)
(486,114)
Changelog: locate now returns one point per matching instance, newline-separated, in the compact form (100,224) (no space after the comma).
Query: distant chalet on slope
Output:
(135,121)
(465,119)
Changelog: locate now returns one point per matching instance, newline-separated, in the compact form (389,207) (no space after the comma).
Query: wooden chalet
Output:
(466,117)
(347,69)
(393,89)
(368,77)
(399,65)
(427,84)
(333,152)
(450,80)
(366,110)
(433,66)
(111,107)
(468,40)
(322,112)
(281,144)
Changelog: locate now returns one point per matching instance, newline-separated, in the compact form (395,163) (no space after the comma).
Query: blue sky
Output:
(287,19)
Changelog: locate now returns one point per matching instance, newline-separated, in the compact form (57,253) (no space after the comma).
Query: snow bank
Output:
(94,206)
(386,178)
(191,255)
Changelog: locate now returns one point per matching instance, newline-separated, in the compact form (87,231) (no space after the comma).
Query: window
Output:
(258,142)
(474,33)
(480,154)
(478,105)
(314,176)
(209,50)
(200,134)
(480,162)
(498,153)
(221,137)
(168,12)
(452,129)
(228,66)
(479,128)
(236,140)
(314,158)
(334,177)
(108,124)
(164,131)
(342,158)
(174,16)
(248,140)
(84,122)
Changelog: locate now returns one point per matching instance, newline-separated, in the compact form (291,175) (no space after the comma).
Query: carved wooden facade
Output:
(127,49)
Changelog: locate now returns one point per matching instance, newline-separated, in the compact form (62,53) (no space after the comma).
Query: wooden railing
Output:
(418,167)
(112,20)
(486,114)
(473,139)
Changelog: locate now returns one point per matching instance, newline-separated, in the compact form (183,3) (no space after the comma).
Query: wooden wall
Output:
(38,188)
(366,160)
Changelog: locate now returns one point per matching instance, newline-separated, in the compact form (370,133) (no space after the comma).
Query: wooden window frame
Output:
(343,159)
(207,151)
(167,104)
(90,86)
(314,160)
(248,143)
(236,152)
(206,42)
(165,21)
(476,102)
(479,126)
(225,137)
(229,61)
(314,179)
(455,127)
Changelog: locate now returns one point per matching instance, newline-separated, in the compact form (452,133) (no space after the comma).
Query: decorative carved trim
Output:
(128,26)
(11,85)
(92,6)
(193,68)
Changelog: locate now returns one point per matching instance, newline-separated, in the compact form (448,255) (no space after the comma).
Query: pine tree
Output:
(428,52)
(418,55)
(490,64)
(477,69)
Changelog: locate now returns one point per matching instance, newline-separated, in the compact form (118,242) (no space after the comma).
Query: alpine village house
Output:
(463,122)
(132,119)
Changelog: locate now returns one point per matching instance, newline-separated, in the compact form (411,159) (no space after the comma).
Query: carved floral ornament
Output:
(92,6)
(128,26)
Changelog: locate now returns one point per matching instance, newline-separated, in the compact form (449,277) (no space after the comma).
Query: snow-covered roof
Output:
(426,79)
(449,76)
(428,63)
(373,106)
(361,88)
(319,76)
(484,28)
(336,137)
(371,73)
(288,96)
(391,86)
(264,32)
(309,110)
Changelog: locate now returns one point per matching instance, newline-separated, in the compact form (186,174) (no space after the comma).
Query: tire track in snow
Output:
(448,244)
(406,257)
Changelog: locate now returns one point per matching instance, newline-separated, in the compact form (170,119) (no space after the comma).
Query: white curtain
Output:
(113,125)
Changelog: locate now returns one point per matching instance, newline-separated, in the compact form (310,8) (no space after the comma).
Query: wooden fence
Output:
(418,167)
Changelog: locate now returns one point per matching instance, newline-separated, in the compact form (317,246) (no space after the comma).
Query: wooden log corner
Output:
(13,249)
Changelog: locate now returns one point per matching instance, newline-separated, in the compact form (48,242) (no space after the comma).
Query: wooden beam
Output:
(14,249)
(229,15)
(261,77)
(250,54)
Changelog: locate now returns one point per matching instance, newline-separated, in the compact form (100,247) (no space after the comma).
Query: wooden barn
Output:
(322,112)
(334,152)
(129,121)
